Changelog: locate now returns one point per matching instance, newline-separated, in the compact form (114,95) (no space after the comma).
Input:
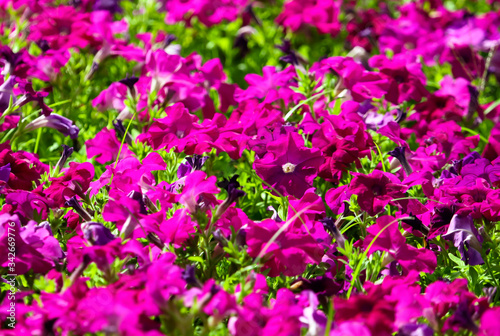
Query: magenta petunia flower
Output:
(62,27)
(391,240)
(36,249)
(407,81)
(289,254)
(76,181)
(24,168)
(466,239)
(198,191)
(372,310)
(289,167)
(105,147)
(322,15)
(490,323)
(376,190)
(27,205)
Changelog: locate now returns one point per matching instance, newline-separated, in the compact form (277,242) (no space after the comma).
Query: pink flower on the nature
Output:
(271,86)
(490,323)
(24,168)
(62,27)
(376,190)
(170,131)
(288,166)
(76,181)
(178,228)
(289,254)
(391,240)
(199,191)
(36,249)
(407,81)
(320,14)
(105,146)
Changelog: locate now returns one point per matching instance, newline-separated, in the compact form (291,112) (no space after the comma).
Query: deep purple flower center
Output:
(377,190)
(365,306)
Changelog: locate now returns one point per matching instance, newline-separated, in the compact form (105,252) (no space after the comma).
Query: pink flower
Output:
(372,309)
(392,241)
(35,247)
(25,168)
(289,167)
(106,146)
(177,229)
(407,81)
(490,323)
(320,14)
(172,130)
(289,254)
(271,86)
(76,181)
(63,27)
(199,192)
(376,190)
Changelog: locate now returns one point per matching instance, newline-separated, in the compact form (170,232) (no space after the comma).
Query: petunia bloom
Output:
(289,254)
(376,190)
(57,122)
(465,237)
(289,167)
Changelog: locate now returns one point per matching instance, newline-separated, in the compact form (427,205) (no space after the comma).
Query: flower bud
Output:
(6,93)
(67,151)
(97,234)
(72,202)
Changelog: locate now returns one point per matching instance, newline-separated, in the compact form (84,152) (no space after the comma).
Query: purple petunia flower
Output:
(289,167)
(112,6)
(6,92)
(67,151)
(465,237)
(376,190)
(96,233)
(4,175)
(57,122)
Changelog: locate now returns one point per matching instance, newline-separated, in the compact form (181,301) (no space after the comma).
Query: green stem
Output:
(363,257)
(38,137)
(488,266)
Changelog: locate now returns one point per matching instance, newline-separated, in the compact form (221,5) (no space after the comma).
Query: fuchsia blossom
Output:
(490,323)
(24,168)
(391,240)
(208,12)
(288,167)
(62,27)
(407,81)
(288,254)
(365,27)
(104,145)
(179,129)
(27,204)
(372,310)
(198,191)
(35,249)
(130,174)
(376,190)
(320,14)
(75,182)
(342,143)
(126,222)
(271,86)
(360,83)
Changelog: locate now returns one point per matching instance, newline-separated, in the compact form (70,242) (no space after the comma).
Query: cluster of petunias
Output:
(350,195)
